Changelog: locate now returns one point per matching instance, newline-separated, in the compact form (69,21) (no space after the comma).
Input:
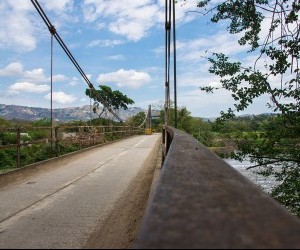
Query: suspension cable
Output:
(167,63)
(73,60)
(51,94)
(175,63)
(168,26)
(148,116)
(169,54)
(143,123)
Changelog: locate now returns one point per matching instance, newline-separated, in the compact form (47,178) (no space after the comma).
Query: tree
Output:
(4,123)
(137,120)
(279,52)
(113,99)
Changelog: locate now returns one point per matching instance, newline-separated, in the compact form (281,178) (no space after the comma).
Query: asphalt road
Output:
(62,206)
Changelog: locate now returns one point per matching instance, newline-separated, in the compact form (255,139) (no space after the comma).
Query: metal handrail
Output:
(96,136)
(202,202)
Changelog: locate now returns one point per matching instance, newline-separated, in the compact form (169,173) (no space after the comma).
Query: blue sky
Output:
(117,43)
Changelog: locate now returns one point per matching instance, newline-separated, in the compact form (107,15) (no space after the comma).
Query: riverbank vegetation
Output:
(269,32)
(239,138)
(23,142)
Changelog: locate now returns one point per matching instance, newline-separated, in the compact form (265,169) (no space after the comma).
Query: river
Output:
(265,183)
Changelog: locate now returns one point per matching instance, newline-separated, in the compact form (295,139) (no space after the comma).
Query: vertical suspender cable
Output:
(168,59)
(175,64)
(73,60)
(170,10)
(169,56)
(90,90)
(166,64)
(51,94)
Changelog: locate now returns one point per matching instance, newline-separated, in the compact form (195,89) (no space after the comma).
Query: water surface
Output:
(265,183)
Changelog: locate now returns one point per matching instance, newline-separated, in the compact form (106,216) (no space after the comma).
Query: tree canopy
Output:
(113,99)
(137,120)
(274,72)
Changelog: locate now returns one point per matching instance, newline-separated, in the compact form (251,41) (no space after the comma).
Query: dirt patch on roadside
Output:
(119,229)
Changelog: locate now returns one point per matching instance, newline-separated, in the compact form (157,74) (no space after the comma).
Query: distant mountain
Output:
(83,113)
(251,116)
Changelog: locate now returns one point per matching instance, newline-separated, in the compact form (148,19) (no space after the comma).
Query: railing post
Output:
(80,135)
(18,147)
(163,144)
(56,142)
(164,135)
(168,141)
(104,133)
(94,135)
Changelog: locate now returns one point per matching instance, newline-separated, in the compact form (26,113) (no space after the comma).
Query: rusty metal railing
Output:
(79,137)
(202,202)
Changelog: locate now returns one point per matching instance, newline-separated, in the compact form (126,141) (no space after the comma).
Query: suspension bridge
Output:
(127,189)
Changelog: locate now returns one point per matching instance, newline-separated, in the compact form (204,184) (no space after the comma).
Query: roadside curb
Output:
(157,172)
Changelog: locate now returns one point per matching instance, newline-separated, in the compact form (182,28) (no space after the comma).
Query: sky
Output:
(116,43)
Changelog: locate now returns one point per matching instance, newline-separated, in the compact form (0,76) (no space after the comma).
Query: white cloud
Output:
(61,97)
(35,75)
(194,50)
(21,27)
(89,76)
(125,78)
(57,5)
(16,29)
(74,82)
(60,78)
(105,43)
(16,69)
(100,26)
(200,104)
(134,19)
(13,69)
(28,87)
(131,18)
(117,58)
(198,79)
(155,104)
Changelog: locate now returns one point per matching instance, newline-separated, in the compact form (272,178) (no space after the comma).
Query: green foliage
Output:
(112,99)
(7,159)
(276,148)
(40,130)
(103,122)
(194,126)
(137,120)
(4,123)
(38,134)
(288,192)
(8,138)
(41,123)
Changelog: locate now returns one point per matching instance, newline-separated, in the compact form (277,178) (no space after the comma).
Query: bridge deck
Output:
(63,204)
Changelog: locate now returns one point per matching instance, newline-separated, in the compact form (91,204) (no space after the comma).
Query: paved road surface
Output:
(62,206)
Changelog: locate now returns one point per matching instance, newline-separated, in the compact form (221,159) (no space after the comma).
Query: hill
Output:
(83,113)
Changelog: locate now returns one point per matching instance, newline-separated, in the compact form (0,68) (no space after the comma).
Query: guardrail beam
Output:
(202,202)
